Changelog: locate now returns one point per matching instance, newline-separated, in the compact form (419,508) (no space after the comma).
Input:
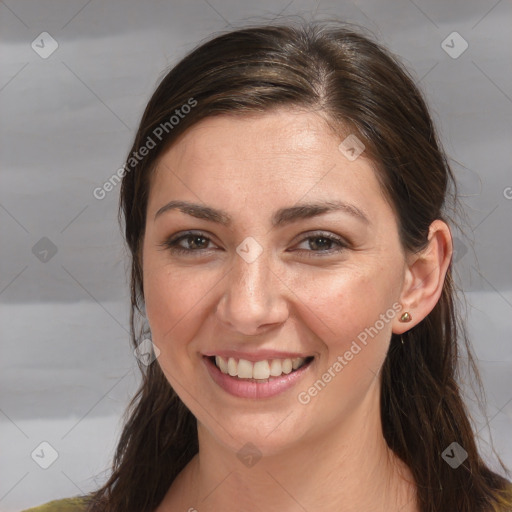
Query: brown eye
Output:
(194,243)
(322,244)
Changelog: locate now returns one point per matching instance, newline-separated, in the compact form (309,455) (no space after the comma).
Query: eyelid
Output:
(177,237)
(321,233)
(171,243)
(342,243)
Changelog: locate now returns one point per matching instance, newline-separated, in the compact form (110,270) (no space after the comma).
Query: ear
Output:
(425,272)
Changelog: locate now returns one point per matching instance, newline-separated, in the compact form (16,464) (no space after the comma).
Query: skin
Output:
(328,454)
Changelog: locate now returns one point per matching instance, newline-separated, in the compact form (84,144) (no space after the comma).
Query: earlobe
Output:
(424,278)
(405,317)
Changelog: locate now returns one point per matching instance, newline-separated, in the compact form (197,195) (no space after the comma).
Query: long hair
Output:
(359,88)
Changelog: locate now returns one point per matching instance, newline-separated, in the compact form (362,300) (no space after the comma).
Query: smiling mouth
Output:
(259,371)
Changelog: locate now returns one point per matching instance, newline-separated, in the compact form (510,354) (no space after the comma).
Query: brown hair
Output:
(362,89)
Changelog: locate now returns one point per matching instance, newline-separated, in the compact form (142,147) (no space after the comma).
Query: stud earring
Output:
(406,317)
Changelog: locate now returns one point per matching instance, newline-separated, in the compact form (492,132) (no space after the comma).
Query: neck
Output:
(346,469)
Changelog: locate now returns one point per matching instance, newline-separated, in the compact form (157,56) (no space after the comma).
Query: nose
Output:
(253,298)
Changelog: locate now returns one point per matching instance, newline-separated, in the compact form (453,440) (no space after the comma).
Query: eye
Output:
(321,245)
(195,242)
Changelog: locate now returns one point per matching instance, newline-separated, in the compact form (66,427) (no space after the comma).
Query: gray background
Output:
(66,124)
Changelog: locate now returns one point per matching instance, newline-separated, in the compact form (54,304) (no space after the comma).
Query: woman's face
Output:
(268,278)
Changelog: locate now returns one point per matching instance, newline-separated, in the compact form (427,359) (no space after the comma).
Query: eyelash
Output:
(172,244)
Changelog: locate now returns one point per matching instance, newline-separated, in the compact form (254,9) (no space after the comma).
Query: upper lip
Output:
(256,356)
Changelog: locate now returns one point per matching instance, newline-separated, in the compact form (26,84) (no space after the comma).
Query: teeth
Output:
(275,368)
(296,362)
(232,367)
(244,369)
(287,366)
(260,370)
(221,363)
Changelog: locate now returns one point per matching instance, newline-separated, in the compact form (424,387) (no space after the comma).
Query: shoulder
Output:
(78,504)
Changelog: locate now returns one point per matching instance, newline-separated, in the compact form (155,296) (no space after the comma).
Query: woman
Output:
(284,204)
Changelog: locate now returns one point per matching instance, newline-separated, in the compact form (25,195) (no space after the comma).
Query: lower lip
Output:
(247,389)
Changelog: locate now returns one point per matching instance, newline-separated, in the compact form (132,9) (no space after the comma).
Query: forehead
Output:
(262,158)
(282,133)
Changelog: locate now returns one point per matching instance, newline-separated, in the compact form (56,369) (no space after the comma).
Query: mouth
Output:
(257,379)
(242,383)
(259,371)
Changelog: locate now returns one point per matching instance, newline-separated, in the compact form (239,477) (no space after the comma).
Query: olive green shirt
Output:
(78,504)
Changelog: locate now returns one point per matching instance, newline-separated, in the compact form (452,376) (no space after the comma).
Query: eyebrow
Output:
(280,218)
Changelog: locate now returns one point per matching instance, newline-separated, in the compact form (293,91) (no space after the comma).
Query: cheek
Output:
(173,298)
(342,304)
(337,305)
(178,300)
(352,314)
(170,302)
